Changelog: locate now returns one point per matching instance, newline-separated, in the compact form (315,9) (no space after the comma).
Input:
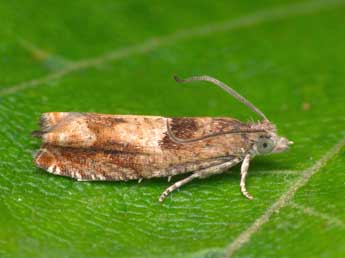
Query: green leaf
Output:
(118,57)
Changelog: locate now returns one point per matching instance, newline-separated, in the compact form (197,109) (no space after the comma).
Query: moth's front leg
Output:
(199,174)
(244,172)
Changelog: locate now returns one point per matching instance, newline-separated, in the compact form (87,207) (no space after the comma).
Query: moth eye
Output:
(265,145)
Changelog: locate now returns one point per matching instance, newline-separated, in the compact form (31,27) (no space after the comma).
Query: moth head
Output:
(271,143)
(268,141)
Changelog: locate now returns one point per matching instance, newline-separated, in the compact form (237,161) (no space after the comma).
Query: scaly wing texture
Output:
(90,164)
(121,147)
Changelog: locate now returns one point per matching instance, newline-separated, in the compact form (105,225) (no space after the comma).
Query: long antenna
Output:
(224,87)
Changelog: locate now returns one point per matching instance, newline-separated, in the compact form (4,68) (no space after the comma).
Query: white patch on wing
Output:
(50,169)
(101,177)
(62,138)
(80,131)
(144,131)
(71,132)
(57,170)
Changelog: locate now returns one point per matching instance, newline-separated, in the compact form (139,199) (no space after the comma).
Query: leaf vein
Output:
(263,16)
(312,212)
(283,201)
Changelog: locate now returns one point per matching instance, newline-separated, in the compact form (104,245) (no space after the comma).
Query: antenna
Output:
(224,87)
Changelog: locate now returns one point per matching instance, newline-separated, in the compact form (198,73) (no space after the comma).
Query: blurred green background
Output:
(287,57)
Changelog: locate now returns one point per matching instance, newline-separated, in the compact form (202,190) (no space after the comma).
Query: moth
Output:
(100,147)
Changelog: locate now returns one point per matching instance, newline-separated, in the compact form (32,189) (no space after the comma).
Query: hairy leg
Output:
(244,172)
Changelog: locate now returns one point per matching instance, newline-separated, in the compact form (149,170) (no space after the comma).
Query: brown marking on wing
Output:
(141,143)
(44,158)
(134,133)
(201,131)
(88,164)
(193,128)
(245,137)
(96,122)
(226,124)
(113,132)
(169,144)
(49,120)
(183,127)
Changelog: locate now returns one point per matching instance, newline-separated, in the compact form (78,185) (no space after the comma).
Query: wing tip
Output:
(44,124)
(47,121)
(37,133)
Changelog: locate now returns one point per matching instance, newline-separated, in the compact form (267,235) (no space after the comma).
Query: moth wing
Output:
(143,141)
(205,137)
(130,133)
(193,128)
(99,131)
(88,164)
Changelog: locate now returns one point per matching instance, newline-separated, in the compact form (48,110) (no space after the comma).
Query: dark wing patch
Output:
(196,128)
(183,127)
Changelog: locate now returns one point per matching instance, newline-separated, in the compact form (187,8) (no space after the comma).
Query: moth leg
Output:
(244,172)
(199,174)
(175,186)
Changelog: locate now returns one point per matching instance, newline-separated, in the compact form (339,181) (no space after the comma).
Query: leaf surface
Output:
(119,57)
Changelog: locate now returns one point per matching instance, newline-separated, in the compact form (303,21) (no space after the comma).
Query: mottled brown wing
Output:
(121,147)
(88,164)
